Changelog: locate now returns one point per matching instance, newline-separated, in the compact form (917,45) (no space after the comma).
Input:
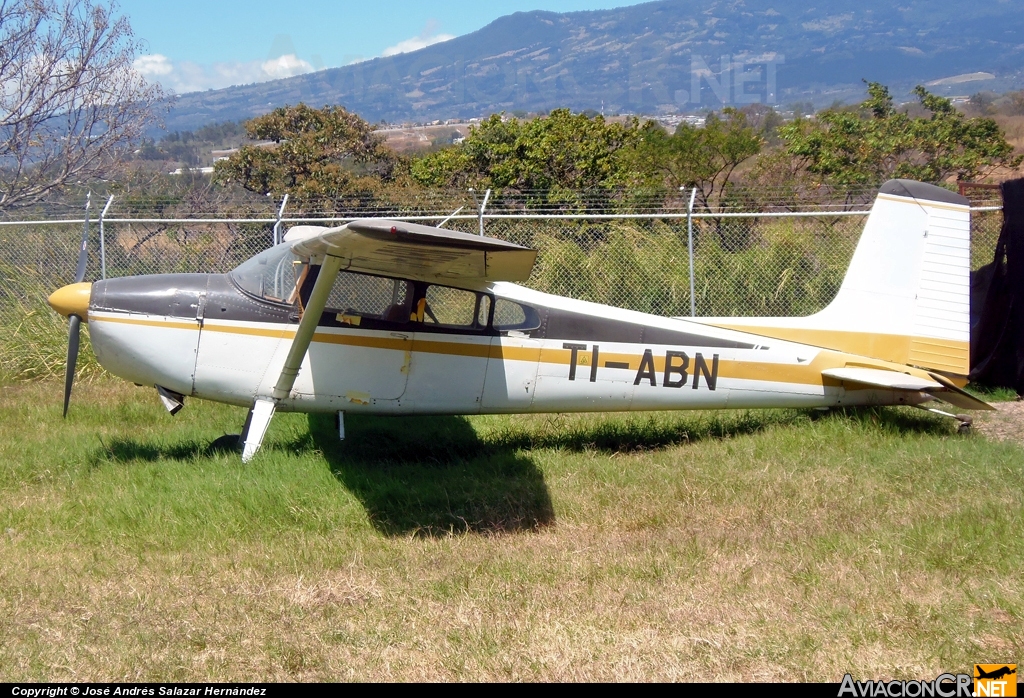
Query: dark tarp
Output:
(997,302)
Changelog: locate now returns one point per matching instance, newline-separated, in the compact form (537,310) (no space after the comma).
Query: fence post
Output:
(483,205)
(277,225)
(103,243)
(85,236)
(487,196)
(689,246)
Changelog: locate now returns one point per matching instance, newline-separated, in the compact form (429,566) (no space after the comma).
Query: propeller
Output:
(75,319)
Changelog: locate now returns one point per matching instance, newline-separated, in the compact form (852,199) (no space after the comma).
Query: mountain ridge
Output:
(658,57)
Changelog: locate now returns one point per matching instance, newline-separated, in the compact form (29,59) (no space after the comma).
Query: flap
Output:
(413,251)
(880,378)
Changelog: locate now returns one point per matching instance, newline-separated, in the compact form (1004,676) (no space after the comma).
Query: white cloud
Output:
(186,76)
(153,65)
(426,37)
(286,67)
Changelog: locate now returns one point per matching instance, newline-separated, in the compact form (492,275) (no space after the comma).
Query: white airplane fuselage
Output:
(597,358)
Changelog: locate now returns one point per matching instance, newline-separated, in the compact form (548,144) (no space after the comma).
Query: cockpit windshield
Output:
(271,274)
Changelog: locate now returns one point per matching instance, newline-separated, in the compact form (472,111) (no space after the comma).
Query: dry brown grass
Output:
(1013,128)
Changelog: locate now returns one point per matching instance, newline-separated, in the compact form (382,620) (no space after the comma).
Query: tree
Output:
(71,103)
(878,142)
(315,154)
(704,157)
(552,159)
(984,102)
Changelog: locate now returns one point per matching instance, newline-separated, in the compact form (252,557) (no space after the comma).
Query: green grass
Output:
(992,394)
(729,545)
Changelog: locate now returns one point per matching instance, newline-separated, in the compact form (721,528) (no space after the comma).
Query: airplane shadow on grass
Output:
(125,450)
(435,476)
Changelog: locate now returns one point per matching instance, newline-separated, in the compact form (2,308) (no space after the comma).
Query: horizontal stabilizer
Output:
(880,378)
(413,251)
(957,396)
(938,386)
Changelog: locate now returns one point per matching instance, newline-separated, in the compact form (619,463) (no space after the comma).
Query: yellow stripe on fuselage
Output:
(939,354)
(805,374)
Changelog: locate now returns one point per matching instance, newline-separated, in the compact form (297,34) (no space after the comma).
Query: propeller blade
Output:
(69,373)
(83,251)
(75,329)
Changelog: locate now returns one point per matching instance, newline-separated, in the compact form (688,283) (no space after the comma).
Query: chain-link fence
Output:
(744,264)
(767,263)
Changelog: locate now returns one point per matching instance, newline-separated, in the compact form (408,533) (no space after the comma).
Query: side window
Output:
(355,296)
(509,315)
(453,307)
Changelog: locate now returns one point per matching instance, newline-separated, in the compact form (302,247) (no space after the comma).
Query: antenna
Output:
(483,206)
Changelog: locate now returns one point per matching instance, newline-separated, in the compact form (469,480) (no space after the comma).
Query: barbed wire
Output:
(399,202)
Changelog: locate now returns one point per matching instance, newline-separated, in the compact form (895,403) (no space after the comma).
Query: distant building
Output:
(192,170)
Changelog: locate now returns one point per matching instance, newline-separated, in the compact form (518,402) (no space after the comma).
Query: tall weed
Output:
(776,271)
(34,338)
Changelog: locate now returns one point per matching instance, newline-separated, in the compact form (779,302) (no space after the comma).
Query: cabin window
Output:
(356,296)
(271,274)
(453,307)
(509,315)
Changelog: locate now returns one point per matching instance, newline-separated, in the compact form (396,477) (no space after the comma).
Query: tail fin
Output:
(909,278)
(906,294)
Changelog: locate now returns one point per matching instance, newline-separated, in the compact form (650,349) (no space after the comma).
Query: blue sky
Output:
(193,45)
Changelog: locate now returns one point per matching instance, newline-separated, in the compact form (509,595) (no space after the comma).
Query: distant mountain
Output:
(660,57)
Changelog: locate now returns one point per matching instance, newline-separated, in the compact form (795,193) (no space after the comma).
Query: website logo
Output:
(995,680)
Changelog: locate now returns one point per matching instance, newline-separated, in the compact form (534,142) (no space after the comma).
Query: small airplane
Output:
(389,317)
(996,674)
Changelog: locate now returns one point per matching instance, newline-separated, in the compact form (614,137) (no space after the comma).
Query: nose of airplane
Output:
(72,299)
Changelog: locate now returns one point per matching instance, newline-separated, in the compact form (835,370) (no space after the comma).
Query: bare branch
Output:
(71,102)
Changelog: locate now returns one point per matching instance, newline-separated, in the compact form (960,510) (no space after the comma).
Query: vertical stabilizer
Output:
(906,294)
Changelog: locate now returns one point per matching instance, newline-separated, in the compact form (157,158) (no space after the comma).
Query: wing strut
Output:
(263,409)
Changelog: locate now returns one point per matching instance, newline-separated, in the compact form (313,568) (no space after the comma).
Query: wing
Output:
(413,251)
(937,386)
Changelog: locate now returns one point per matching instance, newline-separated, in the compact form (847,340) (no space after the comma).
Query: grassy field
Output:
(706,546)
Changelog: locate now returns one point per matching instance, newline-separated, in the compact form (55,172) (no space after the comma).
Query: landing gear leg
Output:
(256,424)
